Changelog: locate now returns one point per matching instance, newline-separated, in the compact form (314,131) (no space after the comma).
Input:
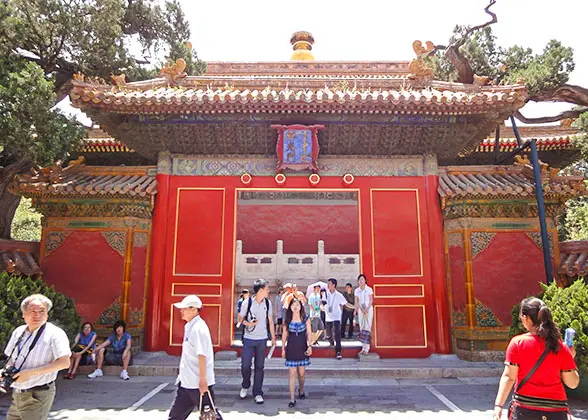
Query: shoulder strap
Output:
(532,371)
(267,317)
(248,308)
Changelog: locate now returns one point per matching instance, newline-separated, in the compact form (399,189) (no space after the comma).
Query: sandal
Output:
(291,404)
(66,376)
(302,395)
(72,376)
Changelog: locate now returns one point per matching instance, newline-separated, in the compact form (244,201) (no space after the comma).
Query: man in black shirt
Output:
(348,309)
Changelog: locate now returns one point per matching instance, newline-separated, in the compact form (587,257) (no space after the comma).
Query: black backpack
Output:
(267,320)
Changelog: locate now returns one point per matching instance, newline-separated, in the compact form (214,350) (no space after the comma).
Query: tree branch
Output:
(574,113)
(572,94)
(473,29)
(454,55)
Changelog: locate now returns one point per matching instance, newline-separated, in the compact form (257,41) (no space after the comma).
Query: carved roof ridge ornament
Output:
(302,45)
(51,174)
(174,73)
(118,80)
(419,71)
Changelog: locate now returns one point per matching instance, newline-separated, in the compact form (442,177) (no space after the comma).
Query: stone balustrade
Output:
(302,269)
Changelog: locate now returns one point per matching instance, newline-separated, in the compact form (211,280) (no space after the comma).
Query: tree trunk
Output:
(8,201)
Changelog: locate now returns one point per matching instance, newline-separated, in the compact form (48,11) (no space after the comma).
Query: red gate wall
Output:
(194,230)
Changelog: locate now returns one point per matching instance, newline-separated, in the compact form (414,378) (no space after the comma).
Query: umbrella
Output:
(310,288)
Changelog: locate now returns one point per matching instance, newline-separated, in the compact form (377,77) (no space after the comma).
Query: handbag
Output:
(526,378)
(208,412)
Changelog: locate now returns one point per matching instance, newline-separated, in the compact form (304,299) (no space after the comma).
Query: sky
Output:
(379,30)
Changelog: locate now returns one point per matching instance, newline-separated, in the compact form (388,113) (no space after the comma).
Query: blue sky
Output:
(260,30)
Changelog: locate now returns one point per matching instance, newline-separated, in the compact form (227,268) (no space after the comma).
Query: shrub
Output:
(13,289)
(569,307)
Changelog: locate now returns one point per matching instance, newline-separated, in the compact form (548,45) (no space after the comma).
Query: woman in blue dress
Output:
(83,348)
(296,348)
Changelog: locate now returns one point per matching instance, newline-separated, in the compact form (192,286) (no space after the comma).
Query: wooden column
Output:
(126,285)
(439,281)
(157,259)
(469,281)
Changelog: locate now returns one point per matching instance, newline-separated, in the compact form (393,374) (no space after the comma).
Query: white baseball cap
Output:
(190,301)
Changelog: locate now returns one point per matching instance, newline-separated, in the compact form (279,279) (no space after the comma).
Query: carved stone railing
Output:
(302,269)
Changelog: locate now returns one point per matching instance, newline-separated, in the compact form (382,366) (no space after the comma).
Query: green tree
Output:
(43,43)
(26,225)
(474,50)
(13,289)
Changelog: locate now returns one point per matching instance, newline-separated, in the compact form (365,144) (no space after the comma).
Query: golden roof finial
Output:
(417,67)
(174,73)
(302,44)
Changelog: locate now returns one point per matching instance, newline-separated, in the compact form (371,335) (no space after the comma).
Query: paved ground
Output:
(149,398)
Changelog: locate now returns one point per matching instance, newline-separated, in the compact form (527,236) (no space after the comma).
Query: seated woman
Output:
(296,347)
(118,355)
(83,348)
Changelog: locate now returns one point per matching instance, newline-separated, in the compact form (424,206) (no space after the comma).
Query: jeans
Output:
(253,348)
(337,334)
(347,317)
(187,400)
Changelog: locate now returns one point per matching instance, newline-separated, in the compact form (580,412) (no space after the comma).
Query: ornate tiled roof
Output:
(574,258)
(440,98)
(366,107)
(99,141)
(19,257)
(548,138)
(88,181)
(461,182)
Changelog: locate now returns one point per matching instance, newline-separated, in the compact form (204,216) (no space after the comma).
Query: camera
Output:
(7,378)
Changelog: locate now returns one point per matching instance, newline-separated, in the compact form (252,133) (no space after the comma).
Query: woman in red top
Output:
(543,396)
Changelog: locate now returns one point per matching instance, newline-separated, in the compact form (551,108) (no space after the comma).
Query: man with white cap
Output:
(196,374)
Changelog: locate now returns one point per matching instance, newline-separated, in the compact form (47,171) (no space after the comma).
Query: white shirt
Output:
(52,344)
(333,306)
(363,296)
(197,342)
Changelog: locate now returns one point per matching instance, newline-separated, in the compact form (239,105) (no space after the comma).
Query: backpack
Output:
(267,305)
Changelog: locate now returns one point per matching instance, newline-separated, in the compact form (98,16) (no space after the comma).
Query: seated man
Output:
(118,355)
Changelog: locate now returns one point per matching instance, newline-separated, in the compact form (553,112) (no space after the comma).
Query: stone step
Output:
(435,367)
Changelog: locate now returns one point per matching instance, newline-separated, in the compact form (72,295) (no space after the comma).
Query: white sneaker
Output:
(243,393)
(125,375)
(259,399)
(96,374)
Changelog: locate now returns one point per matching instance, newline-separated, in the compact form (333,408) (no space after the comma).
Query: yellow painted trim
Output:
(416,191)
(422,286)
(174,257)
(220,288)
(401,347)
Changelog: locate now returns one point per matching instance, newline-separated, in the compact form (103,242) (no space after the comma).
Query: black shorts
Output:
(279,321)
